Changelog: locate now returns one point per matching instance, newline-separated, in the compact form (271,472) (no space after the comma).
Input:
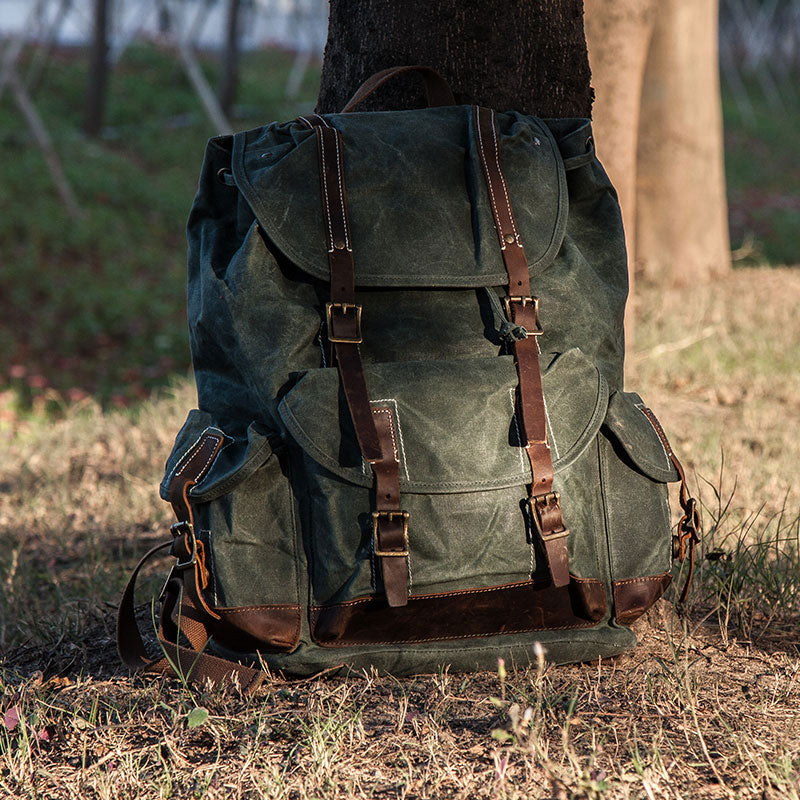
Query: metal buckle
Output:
(344,307)
(389,515)
(524,301)
(184,527)
(688,530)
(545,499)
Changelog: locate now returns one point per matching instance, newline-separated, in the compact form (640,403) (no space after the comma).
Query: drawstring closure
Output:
(508,332)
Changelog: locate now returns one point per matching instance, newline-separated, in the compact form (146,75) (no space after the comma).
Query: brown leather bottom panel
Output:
(513,608)
(633,597)
(266,628)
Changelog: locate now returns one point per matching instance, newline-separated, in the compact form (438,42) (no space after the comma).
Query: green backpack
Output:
(412,447)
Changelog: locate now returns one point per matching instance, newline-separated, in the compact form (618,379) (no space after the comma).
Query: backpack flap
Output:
(433,225)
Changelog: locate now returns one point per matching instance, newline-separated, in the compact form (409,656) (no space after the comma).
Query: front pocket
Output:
(463,475)
(635,469)
(244,515)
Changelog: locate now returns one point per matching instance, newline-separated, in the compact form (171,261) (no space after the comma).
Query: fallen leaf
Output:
(11,718)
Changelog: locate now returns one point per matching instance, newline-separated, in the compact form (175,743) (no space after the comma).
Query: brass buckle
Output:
(545,499)
(344,307)
(688,530)
(389,515)
(183,527)
(524,301)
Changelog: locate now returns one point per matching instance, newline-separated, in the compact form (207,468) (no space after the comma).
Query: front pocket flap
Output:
(633,430)
(455,421)
(239,457)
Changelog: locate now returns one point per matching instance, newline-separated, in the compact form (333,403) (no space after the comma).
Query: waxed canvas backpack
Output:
(412,446)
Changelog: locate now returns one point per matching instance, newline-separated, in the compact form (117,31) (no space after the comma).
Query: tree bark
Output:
(681,212)
(528,55)
(98,72)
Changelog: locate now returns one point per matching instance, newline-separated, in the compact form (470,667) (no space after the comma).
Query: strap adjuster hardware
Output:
(535,504)
(536,330)
(185,529)
(343,308)
(390,516)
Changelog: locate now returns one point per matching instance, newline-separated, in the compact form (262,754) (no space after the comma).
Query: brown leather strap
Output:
(437,89)
(186,663)
(689,527)
(376,440)
(186,547)
(523,308)
(389,522)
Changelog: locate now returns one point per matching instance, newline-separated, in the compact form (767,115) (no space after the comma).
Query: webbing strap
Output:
(189,663)
(522,307)
(390,523)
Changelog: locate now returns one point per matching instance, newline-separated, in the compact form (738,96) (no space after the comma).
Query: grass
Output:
(96,305)
(707,706)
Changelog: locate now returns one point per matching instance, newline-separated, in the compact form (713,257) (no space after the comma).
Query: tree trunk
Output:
(681,212)
(618,33)
(528,55)
(98,71)
(658,131)
(230,59)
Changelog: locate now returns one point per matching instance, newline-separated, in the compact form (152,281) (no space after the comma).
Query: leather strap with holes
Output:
(522,307)
(373,431)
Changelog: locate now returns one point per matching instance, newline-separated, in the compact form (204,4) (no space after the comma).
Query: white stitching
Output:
(547,418)
(306,122)
(325,190)
(519,433)
(189,454)
(488,176)
(503,179)
(391,431)
(402,459)
(322,120)
(322,346)
(341,192)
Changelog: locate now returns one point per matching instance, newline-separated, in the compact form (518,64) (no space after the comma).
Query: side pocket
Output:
(635,469)
(244,515)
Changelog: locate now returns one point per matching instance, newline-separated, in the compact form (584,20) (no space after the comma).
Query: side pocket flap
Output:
(628,425)
(239,457)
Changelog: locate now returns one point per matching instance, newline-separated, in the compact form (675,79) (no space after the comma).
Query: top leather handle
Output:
(436,87)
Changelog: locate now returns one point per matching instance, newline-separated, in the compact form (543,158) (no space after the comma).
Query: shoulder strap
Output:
(373,431)
(523,308)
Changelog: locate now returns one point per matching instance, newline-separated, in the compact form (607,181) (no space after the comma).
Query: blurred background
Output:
(105,109)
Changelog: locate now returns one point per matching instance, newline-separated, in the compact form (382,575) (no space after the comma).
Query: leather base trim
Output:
(272,628)
(472,613)
(634,596)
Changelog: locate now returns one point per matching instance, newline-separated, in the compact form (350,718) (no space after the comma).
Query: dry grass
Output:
(706,707)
